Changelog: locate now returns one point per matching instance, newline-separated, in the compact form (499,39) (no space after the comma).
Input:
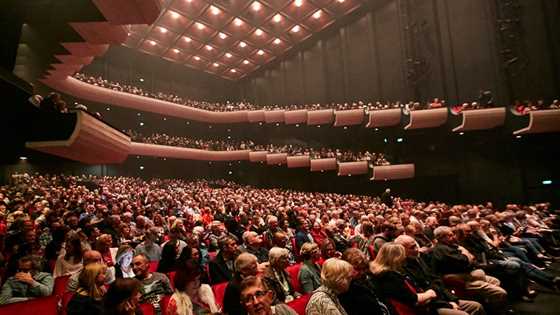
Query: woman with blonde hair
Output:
(88,297)
(335,279)
(392,285)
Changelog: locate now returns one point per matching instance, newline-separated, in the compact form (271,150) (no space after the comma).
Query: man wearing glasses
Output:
(257,299)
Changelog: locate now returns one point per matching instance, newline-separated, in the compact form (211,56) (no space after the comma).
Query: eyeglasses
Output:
(249,298)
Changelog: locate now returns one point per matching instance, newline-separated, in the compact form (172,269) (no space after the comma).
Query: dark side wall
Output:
(421,49)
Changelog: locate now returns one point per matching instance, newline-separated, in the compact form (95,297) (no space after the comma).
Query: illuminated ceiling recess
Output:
(232,38)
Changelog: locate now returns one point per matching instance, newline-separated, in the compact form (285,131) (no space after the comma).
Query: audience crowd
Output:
(232,145)
(124,244)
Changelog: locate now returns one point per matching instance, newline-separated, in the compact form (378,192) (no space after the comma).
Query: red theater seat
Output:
(153,266)
(164,303)
(299,304)
(401,309)
(43,306)
(147,309)
(293,271)
(171,277)
(66,297)
(60,284)
(219,292)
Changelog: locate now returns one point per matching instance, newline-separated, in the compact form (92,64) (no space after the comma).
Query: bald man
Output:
(425,278)
(90,257)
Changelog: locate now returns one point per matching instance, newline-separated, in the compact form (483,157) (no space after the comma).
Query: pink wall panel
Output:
(390,172)
(129,11)
(349,117)
(274,116)
(146,149)
(83,49)
(542,121)
(298,161)
(481,119)
(99,33)
(384,118)
(255,116)
(295,117)
(320,117)
(427,118)
(276,158)
(258,156)
(323,164)
(352,168)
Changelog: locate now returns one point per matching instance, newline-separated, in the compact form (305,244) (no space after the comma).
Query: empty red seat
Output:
(219,292)
(293,271)
(153,266)
(300,303)
(43,306)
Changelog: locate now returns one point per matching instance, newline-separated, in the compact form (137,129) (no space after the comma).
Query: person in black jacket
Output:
(221,268)
(450,259)
(362,290)
(419,272)
(245,265)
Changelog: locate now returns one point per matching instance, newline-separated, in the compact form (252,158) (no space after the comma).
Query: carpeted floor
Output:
(546,303)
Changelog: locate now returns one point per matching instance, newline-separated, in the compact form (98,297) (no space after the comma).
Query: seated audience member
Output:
(87,299)
(90,257)
(302,233)
(452,260)
(422,276)
(388,233)
(190,296)
(221,268)
(154,285)
(149,247)
(27,283)
(276,278)
(318,233)
(123,297)
(253,244)
(168,259)
(257,299)
(123,265)
(71,262)
(103,245)
(336,276)
(309,275)
(280,239)
(245,265)
(362,290)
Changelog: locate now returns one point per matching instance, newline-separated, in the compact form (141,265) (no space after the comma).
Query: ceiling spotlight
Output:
(317,14)
(141,124)
(214,10)
(208,47)
(260,52)
(256,6)
(163,30)
(233,71)
(23,158)
(298,3)
(175,50)
(216,64)
(222,35)
(277,18)
(228,55)
(258,32)
(107,109)
(242,44)
(296,29)
(141,167)
(340,1)
(141,80)
(152,43)
(174,15)
(200,26)
(245,62)
(277,41)
(187,39)
(237,22)
(197,58)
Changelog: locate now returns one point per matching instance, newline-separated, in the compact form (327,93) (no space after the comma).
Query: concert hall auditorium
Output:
(280,157)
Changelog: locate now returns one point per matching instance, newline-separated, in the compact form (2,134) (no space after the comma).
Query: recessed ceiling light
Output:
(298,3)
(340,1)
(256,6)
(222,35)
(152,43)
(233,70)
(246,62)
(23,158)
(277,18)
(163,30)
(277,41)
(188,39)
(296,29)
(237,22)
(174,15)
(260,52)
(214,10)
(141,80)
(228,55)
(200,26)
(258,32)
(216,64)
(189,1)
(317,14)
(242,44)
(196,58)
(208,47)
